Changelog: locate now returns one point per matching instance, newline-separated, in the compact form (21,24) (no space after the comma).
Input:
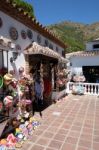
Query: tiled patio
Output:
(70,124)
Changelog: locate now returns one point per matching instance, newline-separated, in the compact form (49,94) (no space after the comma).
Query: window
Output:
(96,46)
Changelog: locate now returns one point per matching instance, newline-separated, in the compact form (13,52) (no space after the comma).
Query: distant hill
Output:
(75,35)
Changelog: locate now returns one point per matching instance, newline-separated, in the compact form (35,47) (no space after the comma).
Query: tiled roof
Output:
(19,14)
(83,53)
(35,48)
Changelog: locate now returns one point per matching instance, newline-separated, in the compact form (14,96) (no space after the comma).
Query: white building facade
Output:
(22,35)
(85,62)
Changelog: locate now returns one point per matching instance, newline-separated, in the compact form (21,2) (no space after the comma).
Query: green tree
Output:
(26,6)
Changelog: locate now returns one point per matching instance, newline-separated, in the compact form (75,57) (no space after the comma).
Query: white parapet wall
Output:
(89,88)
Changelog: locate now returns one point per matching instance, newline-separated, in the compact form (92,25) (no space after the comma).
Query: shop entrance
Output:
(91,73)
(48,74)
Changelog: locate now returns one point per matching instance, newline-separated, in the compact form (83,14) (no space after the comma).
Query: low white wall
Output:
(77,62)
(57,95)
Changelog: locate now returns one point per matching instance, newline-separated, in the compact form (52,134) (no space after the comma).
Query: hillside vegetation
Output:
(75,35)
(26,6)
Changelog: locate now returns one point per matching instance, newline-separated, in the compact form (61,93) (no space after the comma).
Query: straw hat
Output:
(8,78)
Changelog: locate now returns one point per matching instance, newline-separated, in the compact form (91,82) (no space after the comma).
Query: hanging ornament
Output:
(18,47)
(23,34)
(1,81)
(46,43)
(13,33)
(1,106)
(8,101)
(8,78)
(29,34)
(38,38)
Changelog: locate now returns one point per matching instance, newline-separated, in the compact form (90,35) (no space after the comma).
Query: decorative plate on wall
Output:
(38,38)
(23,34)
(46,42)
(13,33)
(50,46)
(57,49)
(29,34)
(1,22)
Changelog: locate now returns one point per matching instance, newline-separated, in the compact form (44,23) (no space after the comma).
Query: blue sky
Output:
(53,11)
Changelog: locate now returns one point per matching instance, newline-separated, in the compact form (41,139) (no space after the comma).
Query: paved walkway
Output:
(70,124)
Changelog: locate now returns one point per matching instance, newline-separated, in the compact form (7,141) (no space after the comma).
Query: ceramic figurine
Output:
(11,140)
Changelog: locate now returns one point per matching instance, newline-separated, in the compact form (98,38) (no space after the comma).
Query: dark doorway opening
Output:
(91,73)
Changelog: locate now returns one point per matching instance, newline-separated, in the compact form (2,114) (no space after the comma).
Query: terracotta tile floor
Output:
(70,124)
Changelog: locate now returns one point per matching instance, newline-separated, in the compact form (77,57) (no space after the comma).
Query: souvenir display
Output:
(23,34)
(1,22)
(3,142)
(8,78)
(24,130)
(3,71)
(78,89)
(1,81)
(78,78)
(18,47)
(1,106)
(29,34)
(38,38)
(18,145)
(16,104)
(61,79)
(21,69)
(13,33)
(8,101)
(11,140)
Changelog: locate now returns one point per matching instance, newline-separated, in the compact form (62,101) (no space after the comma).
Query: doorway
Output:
(91,73)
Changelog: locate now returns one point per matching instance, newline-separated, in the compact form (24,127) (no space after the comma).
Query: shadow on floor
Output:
(40,107)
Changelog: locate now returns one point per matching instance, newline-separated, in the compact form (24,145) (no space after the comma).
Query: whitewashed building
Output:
(21,30)
(86,63)
(24,42)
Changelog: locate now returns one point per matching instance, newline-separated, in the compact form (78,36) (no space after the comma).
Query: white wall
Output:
(4,31)
(85,61)
(77,62)
(89,45)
